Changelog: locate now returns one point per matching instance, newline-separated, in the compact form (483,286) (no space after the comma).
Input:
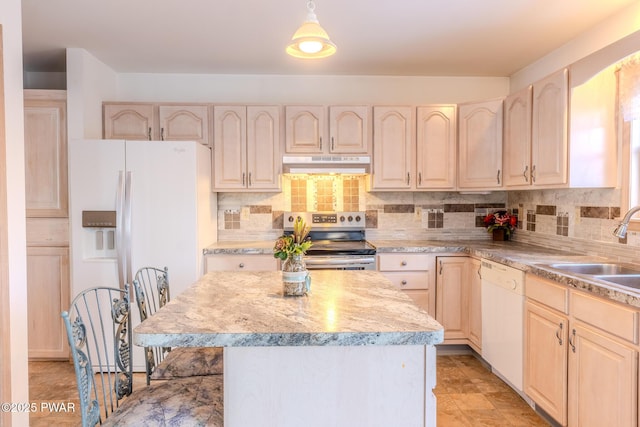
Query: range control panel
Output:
(340,220)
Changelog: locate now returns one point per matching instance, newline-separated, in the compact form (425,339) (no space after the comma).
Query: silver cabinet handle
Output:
(533,173)
(332,144)
(403,263)
(526,177)
(419,178)
(572,339)
(243,177)
(149,134)
(498,177)
(161,134)
(479,273)
(558,332)
(241,265)
(320,143)
(440,272)
(408,178)
(404,282)
(249,179)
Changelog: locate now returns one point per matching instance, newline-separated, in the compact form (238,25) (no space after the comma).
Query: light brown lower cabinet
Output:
(603,376)
(581,356)
(546,363)
(414,274)
(474,332)
(452,298)
(48,296)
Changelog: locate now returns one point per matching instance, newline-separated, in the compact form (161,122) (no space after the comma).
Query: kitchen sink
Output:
(627,280)
(596,269)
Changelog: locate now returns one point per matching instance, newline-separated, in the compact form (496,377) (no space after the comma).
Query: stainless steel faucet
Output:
(621,229)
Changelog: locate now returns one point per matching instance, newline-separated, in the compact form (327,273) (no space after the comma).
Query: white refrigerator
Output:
(144,203)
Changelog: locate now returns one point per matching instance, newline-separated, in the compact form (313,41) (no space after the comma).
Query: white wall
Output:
(89,82)
(11,20)
(294,89)
(607,42)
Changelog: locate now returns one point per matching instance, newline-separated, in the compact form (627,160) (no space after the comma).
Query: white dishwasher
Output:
(502,321)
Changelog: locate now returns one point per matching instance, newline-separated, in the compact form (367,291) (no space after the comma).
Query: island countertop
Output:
(242,309)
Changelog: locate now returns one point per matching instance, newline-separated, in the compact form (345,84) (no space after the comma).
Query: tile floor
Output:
(468,395)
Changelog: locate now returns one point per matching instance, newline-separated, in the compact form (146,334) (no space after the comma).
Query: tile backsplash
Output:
(580,220)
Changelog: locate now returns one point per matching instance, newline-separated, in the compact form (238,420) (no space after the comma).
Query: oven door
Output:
(340,262)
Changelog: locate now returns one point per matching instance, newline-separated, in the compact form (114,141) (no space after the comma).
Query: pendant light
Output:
(311,40)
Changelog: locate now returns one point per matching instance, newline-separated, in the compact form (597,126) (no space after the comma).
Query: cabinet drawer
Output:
(409,279)
(548,293)
(241,263)
(405,262)
(613,318)
(47,231)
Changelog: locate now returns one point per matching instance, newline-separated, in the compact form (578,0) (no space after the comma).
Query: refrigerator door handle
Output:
(120,243)
(127,229)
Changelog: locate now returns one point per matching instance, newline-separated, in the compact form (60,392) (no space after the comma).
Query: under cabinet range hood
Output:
(326,164)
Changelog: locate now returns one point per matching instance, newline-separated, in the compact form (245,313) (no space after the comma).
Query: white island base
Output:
(338,386)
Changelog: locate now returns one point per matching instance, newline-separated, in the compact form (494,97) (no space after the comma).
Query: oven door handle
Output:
(313,261)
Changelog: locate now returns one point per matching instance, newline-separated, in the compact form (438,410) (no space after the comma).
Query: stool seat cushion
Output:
(193,401)
(189,362)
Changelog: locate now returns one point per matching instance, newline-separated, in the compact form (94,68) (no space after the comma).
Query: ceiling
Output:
(374,37)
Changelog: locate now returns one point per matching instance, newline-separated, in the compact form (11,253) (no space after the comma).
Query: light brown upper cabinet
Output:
(436,147)
(46,153)
(393,147)
(165,122)
(480,145)
(517,139)
(348,129)
(549,130)
(246,148)
(535,134)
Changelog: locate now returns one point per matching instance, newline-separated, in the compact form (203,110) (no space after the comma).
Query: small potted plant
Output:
(501,224)
(291,249)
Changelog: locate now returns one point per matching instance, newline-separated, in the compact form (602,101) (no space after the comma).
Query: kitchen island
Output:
(355,352)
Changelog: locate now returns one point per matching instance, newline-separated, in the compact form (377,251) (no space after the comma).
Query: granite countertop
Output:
(349,308)
(523,256)
(232,248)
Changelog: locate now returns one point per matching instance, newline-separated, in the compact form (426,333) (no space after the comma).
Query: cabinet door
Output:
(549,130)
(545,359)
(47,296)
(229,147)
(475,303)
(602,380)
(452,297)
(517,139)
(305,129)
(421,298)
(184,123)
(45,149)
(349,129)
(436,147)
(264,162)
(393,147)
(129,121)
(480,145)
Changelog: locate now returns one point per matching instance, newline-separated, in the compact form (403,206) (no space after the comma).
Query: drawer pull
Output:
(241,265)
(404,282)
(403,263)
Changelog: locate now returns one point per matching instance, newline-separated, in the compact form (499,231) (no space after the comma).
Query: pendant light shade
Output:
(311,40)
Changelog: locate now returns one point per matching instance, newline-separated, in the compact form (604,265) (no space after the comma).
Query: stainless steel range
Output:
(338,240)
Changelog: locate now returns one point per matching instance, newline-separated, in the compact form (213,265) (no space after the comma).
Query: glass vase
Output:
(295,276)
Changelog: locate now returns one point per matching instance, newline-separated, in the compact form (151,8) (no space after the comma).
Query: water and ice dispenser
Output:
(99,229)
